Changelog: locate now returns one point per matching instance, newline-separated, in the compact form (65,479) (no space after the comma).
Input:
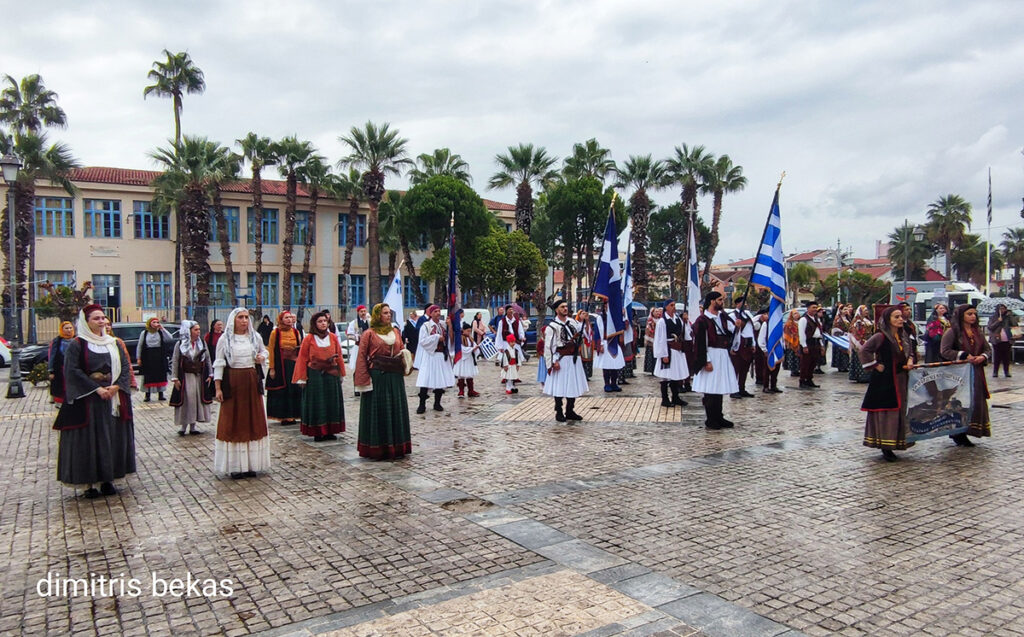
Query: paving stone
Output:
(654,589)
(715,617)
(580,556)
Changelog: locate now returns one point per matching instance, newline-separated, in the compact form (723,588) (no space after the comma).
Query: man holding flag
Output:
(770,272)
(610,324)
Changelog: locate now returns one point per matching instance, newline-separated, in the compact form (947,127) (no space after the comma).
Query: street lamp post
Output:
(11,165)
(917,235)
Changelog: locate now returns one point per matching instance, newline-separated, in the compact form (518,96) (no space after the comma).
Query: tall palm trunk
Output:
(641,211)
(373,188)
(392,263)
(176,213)
(949,262)
(350,245)
(288,243)
(225,245)
(524,207)
(715,219)
(410,267)
(314,197)
(257,231)
(196,249)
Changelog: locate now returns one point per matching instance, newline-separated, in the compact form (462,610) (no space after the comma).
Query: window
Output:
(220,293)
(508,227)
(307,299)
(107,289)
(230,219)
(385,283)
(356,289)
(103,218)
(409,287)
(343,229)
(269,225)
(269,287)
(54,217)
(302,226)
(57,277)
(148,225)
(153,289)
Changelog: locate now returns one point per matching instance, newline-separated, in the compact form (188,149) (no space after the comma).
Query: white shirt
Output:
(803,331)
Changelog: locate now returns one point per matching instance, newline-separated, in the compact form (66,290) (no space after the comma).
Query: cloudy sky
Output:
(874,109)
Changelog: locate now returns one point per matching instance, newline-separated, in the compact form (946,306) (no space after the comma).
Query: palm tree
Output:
(1013,253)
(291,155)
(949,218)
(969,260)
(522,167)
(314,173)
(907,252)
(397,226)
(642,174)
(174,78)
(260,152)
(224,168)
(723,178)
(588,159)
(378,152)
(27,107)
(799,277)
(690,168)
(441,162)
(347,187)
(184,185)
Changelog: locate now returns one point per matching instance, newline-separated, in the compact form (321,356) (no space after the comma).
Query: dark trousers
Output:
(809,360)
(1002,355)
(771,376)
(741,360)
(760,365)
(713,409)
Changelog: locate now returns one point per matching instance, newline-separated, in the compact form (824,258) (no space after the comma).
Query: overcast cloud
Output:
(874,109)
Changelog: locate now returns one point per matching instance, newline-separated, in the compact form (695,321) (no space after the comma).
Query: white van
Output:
(468,313)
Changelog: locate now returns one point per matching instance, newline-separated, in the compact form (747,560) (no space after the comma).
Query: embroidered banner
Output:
(939,400)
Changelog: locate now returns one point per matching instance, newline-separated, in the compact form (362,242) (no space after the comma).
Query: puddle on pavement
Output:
(467,505)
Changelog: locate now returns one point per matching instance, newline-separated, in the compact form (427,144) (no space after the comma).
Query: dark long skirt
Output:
(285,403)
(980,426)
(153,365)
(384,418)
(102,451)
(322,410)
(791,361)
(588,368)
(840,358)
(649,360)
(857,373)
(888,429)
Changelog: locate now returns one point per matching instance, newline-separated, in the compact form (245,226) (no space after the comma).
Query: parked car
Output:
(31,355)
(5,353)
(346,345)
(129,333)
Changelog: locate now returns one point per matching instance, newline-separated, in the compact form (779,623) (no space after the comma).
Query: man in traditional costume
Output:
(433,360)
(742,351)
(712,333)
(671,366)
(769,376)
(509,323)
(809,330)
(565,378)
(354,332)
(609,356)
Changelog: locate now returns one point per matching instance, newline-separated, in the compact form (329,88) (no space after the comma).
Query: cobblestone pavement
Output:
(505,522)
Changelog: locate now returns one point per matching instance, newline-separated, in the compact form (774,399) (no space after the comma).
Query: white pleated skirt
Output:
(677,369)
(722,380)
(238,457)
(435,373)
(466,368)
(568,382)
(605,360)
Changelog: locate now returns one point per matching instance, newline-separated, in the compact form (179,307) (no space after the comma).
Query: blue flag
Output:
(454,307)
(692,277)
(770,272)
(627,280)
(608,285)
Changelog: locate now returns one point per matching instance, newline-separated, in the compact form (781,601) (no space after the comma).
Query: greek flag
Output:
(393,298)
(693,278)
(627,279)
(454,307)
(770,272)
(607,285)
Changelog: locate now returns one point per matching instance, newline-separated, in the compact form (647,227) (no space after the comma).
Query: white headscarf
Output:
(184,335)
(107,341)
(229,333)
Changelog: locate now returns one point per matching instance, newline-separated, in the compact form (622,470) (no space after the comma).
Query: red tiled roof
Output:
(132,177)
(744,262)
(869,262)
(877,271)
(804,256)
(933,275)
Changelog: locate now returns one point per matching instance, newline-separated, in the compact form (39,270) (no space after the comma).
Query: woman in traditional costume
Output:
(380,370)
(791,341)
(861,329)
(649,360)
(284,398)
(889,356)
(319,369)
(211,338)
(841,327)
(586,342)
(191,367)
(97,433)
(965,341)
(242,447)
(938,324)
(55,361)
(151,354)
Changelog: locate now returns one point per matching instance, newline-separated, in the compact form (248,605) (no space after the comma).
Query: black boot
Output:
(437,399)
(422,409)
(570,410)
(676,400)
(559,416)
(889,455)
(665,402)
(710,417)
(161,396)
(722,422)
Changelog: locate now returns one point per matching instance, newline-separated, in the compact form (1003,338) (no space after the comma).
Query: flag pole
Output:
(764,233)
(591,275)
(988,238)
(686,249)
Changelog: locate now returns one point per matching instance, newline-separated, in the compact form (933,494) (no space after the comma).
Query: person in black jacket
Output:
(411,333)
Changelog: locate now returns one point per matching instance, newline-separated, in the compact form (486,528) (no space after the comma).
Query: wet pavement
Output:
(635,521)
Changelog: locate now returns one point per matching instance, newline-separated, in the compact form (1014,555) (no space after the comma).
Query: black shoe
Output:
(745,394)
(422,409)
(91,493)
(107,488)
(775,390)
(515,390)
(676,400)
(330,437)
(438,407)
(736,395)
(572,415)
(889,455)
(146,399)
(318,438)
(238,475)
(559,416)
(161,396)
(712,425)
(727,424)
(181,433)
(195,432)
(665,402)
(819,371)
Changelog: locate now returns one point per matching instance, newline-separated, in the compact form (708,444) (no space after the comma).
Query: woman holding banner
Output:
(964,341)
(889,356)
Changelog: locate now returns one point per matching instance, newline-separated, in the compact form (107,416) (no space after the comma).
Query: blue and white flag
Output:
(454,307)
(770,272)
(608,284)
(842,342)
(393,298)
(627,279)
(693,277)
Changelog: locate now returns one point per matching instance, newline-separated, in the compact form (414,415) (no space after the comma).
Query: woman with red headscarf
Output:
(319,369)
(284,398)
(964,341)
